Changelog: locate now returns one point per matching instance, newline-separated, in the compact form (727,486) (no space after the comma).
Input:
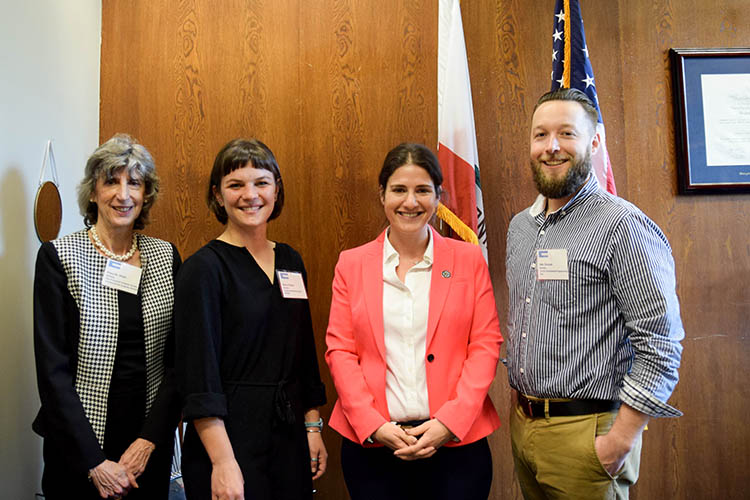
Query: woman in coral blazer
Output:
(413,343)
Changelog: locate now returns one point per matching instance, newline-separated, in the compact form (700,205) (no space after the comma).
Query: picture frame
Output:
(711,90)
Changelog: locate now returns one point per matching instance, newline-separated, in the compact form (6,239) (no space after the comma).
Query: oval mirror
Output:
(47,212)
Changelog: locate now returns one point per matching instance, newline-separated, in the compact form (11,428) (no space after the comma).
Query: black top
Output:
(56,331)
(245,354)
(234,328)
(129,371)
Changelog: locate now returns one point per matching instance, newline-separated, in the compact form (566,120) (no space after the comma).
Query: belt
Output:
(410,424)
(282,405)
(536,409)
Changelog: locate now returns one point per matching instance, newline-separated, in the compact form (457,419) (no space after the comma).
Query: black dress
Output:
(247,355)
(70,447)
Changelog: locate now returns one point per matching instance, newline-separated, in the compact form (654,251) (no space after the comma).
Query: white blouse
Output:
(405,312)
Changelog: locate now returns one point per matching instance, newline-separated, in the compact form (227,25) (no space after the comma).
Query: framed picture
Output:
(712,118)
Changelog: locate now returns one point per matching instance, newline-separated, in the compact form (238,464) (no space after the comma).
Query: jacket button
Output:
(430,358)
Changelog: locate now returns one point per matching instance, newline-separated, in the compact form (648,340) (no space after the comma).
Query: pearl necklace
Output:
(109,253)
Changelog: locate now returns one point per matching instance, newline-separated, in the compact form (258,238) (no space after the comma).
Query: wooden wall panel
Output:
(330,96)
(332,85)
(699,455)
(185,81)
(368,73)
(702,454)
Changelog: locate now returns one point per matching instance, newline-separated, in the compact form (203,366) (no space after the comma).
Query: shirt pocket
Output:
(557,294)
(585,279)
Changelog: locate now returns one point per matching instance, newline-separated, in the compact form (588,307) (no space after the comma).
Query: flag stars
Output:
(589,81)
(554,55)
(552,75)
(586,51)
(557,35)
(560,16)
(560,81)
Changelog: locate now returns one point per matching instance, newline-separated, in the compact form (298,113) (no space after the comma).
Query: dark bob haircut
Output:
(408,153)
(238,154)
(118,154)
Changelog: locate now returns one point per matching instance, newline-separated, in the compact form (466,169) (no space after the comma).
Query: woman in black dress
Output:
(104,351)
(246,360)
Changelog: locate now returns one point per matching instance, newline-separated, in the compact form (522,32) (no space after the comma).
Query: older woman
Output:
(413,344)
(246,359)
(102,338)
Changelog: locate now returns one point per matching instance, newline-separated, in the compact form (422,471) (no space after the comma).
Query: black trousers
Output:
(460,472)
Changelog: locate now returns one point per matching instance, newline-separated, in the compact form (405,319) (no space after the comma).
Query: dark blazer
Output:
(57,326)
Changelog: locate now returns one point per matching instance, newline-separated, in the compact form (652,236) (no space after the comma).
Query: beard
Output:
(574,178)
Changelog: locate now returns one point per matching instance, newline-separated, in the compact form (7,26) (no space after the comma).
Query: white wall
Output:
(49,89)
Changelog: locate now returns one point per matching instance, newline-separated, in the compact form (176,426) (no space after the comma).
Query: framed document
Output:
(712,118)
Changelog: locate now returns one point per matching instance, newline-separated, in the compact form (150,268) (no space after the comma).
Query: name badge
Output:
(552,264)
(122,276)
(292,285)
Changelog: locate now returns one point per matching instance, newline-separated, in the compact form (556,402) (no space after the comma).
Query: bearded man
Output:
(594,320)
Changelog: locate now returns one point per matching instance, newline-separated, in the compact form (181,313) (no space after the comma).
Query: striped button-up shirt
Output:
(610,331)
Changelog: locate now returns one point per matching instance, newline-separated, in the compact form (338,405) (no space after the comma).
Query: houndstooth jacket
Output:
(98,308)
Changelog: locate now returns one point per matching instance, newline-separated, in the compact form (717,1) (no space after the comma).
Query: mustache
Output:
(556,158)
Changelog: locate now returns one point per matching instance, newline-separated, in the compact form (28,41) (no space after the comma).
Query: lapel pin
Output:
(446,274)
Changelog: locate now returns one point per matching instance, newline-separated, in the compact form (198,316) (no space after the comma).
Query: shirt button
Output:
(430,358)
(523,335)
(521,370)
(541,232)
(533,265)
(563,212)
(528,300)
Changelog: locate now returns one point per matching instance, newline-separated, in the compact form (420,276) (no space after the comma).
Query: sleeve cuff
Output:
(459,429)
(367,439)
(314,396)
(638,398)
(207,404)
(455,438)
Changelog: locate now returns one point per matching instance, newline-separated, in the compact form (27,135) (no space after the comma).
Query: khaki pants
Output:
(555,457)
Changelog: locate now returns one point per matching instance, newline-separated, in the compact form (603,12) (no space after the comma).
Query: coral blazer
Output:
(462,345)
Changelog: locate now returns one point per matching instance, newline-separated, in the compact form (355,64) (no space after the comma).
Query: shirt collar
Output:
(390,253)
(589,187)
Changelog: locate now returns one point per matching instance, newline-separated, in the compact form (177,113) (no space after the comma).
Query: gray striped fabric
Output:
(613,330)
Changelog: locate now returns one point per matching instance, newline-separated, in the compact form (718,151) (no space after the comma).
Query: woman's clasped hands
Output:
(414,443)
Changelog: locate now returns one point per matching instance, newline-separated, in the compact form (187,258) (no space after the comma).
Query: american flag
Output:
(571,68)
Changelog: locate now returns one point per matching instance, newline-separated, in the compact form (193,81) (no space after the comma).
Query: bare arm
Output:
(227,482)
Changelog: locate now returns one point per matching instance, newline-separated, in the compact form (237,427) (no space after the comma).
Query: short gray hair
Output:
(121,152)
